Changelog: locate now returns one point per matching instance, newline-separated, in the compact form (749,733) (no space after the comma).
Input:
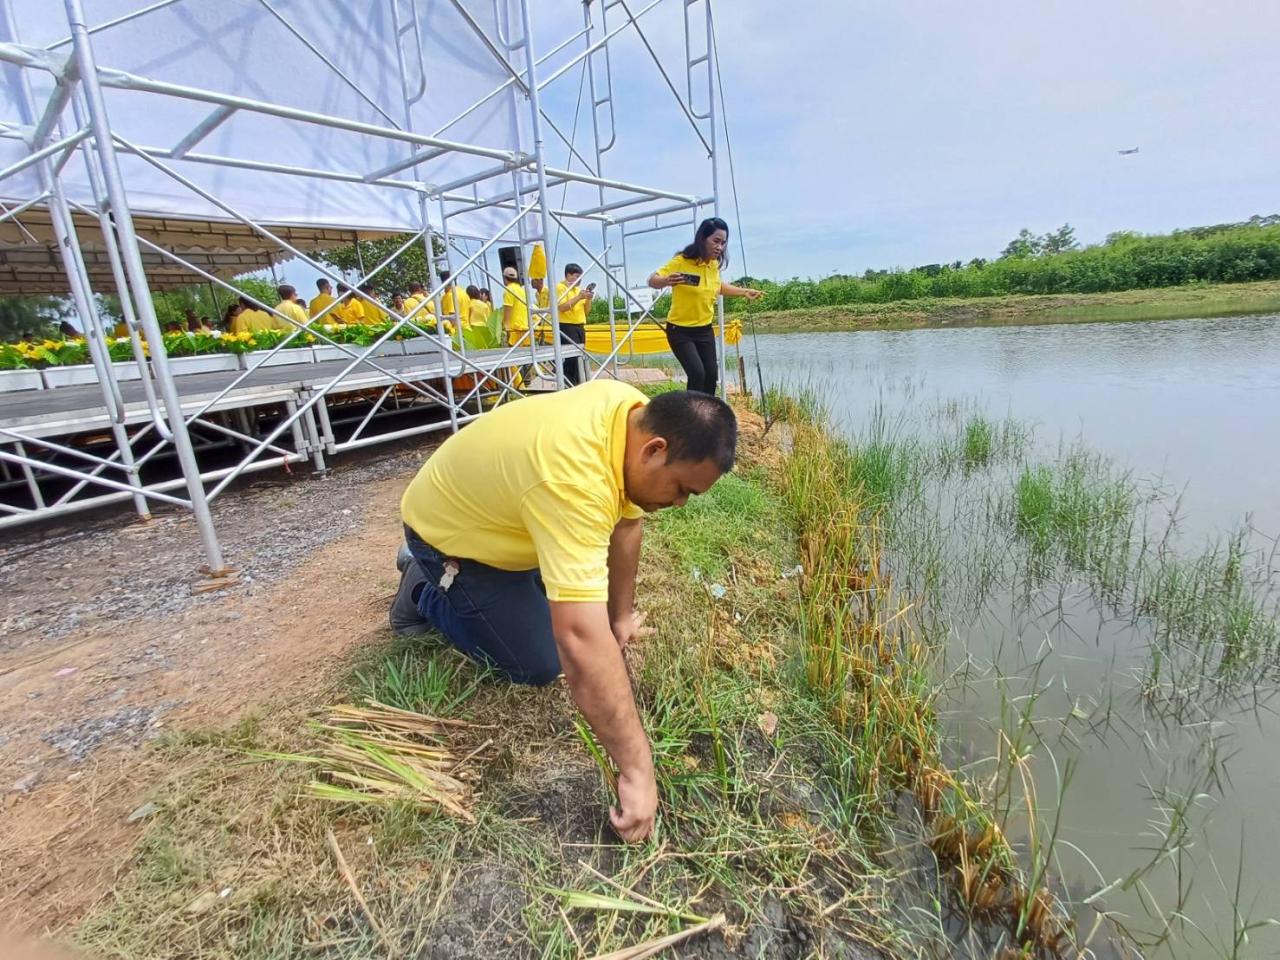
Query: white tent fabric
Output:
(242,48)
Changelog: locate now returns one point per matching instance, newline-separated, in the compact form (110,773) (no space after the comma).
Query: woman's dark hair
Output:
(698,249)
(233,308)
(473,291)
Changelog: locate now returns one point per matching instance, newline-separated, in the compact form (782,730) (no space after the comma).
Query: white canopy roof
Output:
(294,53)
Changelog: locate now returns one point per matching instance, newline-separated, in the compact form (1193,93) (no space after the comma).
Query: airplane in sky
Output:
(1128,153)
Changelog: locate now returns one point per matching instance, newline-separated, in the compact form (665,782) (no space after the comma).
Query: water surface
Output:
(1190,408)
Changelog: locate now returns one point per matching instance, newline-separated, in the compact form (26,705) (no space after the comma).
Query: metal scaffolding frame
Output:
(151,413)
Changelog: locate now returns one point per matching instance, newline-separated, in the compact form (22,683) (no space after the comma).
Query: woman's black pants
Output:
(695,348)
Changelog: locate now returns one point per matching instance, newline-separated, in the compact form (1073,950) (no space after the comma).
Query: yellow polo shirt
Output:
(693,306)
(464,304)
(479,314)
(253,320)
(514,298)
(293,311)
(578,312)
(411,303)
(318,303)
(373,313)
(350,312)
(550,467)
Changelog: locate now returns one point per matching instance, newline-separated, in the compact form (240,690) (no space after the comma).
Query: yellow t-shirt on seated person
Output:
(350,311)
(479,314)
(252,320)
(318,303)
(291,310)
(551,470)
(693,306)
(373,313)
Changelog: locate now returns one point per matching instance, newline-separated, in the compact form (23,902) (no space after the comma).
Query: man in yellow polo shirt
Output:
(289,307)
(515,309)
(322,299)
(538,576)
(574,304)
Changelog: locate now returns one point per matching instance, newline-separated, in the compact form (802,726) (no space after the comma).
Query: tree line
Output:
(1056,263)
(1053,262)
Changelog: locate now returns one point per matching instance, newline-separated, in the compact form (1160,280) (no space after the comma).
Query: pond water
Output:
(1169,758)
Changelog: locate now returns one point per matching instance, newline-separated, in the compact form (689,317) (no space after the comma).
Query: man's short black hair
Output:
(572,268)
(696,426)
(322,284)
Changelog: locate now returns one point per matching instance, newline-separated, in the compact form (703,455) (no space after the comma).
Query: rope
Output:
(737,213)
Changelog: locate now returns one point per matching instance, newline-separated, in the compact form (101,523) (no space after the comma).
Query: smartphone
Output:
(692,279)
(590,287)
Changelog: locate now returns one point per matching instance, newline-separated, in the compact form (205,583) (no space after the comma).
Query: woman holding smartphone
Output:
(693,275)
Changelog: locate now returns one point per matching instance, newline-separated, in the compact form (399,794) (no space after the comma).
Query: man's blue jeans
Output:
(498,617)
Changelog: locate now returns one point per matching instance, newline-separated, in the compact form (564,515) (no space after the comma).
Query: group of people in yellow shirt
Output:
(573,302)
(351,306)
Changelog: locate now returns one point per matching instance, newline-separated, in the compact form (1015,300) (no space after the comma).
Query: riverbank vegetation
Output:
(1170,303)
(1081,626)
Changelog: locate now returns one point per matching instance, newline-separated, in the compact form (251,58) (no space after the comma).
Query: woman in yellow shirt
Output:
(693,275)
(479,309)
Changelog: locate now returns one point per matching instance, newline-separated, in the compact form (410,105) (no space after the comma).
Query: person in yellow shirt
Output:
(416,293)
(573,304)
(478,314)
(515,308)
(460,312)
(252,319)
(322,299)
(350,308)
(373,312)
(539,575)
(693,275)
(290,308)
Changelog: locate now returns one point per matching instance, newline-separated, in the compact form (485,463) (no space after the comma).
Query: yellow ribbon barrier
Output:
(649,337)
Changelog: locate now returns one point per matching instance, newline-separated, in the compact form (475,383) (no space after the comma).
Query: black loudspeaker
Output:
(511,257)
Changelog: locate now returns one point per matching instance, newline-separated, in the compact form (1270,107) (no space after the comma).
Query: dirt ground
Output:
(106,644)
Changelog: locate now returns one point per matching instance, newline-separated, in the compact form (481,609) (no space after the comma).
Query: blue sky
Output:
(889,135)
(880,135)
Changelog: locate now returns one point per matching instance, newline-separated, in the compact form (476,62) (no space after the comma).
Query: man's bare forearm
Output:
(597,678)
(624,561)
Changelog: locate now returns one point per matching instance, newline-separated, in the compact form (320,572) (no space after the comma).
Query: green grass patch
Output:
(432,681)
(703,534)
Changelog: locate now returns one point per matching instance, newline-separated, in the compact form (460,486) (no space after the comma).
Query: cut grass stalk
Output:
(651,948)
(585,900)
(607,773)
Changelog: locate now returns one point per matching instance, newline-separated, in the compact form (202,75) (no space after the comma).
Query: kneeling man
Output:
(523,537)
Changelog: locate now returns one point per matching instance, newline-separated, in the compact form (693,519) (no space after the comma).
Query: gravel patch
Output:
(58,578)
(128,724)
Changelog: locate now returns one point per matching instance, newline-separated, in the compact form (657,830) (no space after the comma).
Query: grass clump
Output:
(979,441)
(1079,510)
(437,683)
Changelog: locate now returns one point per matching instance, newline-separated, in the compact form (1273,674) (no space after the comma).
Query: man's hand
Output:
(631,627)
(637,807)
